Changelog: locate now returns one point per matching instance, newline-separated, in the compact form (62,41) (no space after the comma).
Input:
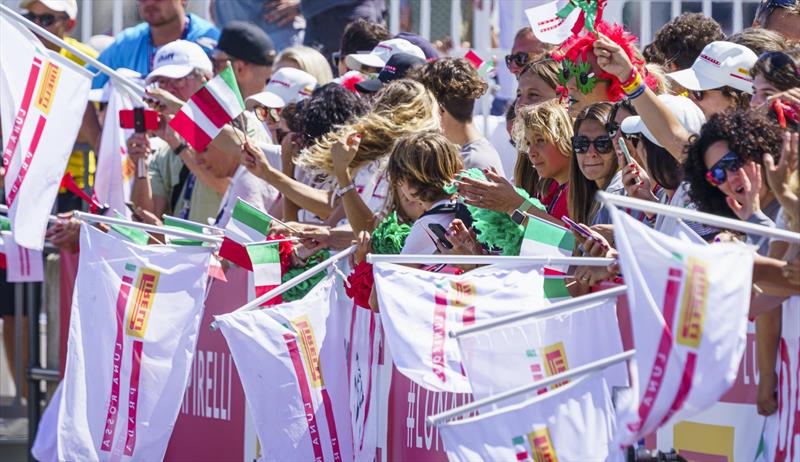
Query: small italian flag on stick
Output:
(545,239)
(216,103)
(215,266)
(266,261)
(485,68)
(247,225)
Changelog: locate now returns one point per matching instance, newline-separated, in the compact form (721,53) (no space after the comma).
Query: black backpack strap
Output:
(176,191)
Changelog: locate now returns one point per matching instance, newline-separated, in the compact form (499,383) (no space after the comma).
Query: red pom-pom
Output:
(351,79)
(285,249)
(360,284)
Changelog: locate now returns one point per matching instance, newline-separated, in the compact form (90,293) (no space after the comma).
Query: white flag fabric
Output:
(112,180)
(572,424)
(549,28)
(688,306)
(363,349)
(291,361)
(136,312)
(418,308)
(45,446)
(22,265)
(511,356)
(42,131)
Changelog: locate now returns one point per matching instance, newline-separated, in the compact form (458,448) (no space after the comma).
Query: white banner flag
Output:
(418,308)
(572,424)
(42,129)
(688,306)
(135,316)
(547,26)
(22,265)
(291,361)
(363,350)
(507,357)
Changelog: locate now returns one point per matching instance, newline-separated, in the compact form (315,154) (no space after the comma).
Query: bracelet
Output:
(631,78)
(344,190)
(634,85)
(638,92)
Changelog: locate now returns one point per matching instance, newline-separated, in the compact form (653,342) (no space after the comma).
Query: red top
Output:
(556,200)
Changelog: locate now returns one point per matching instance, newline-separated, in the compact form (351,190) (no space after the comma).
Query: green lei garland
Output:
(299,291)
(390,235)
(495,229)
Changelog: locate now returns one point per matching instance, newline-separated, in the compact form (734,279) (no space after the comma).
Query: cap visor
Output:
(635,124)
(369,86)
(691,80)
(170,71)
(370,60)
(265,98)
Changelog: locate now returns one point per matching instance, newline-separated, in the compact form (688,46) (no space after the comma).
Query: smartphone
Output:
(132,208)
(628,158)
(574,226)
(139,119)
(441,234)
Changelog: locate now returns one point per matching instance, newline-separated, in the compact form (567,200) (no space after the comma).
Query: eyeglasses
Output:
(775,60)
(602,144)
(767,6)
(45,20)
(718,173)
(519,58)
(612,126)
(264,113)
(697,94)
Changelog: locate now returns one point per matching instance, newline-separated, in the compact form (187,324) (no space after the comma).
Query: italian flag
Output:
(215,266)
(555,288)
(5,225)
(485,68)
(135,235)
(247,225)
(545,239)
(266,261)
(216,103)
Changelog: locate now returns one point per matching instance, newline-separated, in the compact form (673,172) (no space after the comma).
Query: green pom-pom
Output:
(389,236)
(474,173)
(299,291)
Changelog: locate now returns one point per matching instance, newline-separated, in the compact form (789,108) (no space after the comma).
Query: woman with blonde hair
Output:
(352,159)
(306,59)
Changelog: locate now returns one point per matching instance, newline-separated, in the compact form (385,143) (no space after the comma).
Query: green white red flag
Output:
(266,261)
(215,104)
(247,224)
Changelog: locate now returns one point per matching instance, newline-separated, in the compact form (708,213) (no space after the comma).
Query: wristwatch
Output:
(179,149)
(341,191)
(517,216)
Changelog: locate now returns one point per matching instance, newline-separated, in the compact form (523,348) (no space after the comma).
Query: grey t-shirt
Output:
(481,154)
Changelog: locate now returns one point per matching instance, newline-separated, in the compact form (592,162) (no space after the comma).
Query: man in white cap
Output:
(719,77)
(178,181)
(379,56)
(287,85)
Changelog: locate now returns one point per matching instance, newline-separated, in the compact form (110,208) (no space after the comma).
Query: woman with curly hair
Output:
(724,167)
(456,85)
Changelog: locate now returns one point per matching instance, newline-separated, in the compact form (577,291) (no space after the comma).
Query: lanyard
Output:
(552,204)
(187,197)
(152,50)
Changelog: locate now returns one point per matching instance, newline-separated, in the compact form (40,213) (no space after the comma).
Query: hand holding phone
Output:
(441,233)
(628,158)
(575,227)
(141,120)
(132,208)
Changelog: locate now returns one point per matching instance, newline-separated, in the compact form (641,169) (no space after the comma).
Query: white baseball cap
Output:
(382,52)
(65,6)
(687,113)
(287,85)
(719,64)
(177,59)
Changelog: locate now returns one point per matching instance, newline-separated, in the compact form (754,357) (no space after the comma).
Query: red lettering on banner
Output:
(370,365)
(439,317)
(305,395)
(683,388)
(664,347)
(22,113)
(326,402)
(133,396)
(113,400)
(26,162)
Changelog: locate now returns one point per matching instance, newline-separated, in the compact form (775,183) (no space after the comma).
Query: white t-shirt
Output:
(250,188)
(419,240)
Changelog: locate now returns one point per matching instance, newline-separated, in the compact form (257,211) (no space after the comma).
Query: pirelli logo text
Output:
(47,88)
(462,294)
(308,345)
(542,445)
(142,303)
(693,304)
(555,361)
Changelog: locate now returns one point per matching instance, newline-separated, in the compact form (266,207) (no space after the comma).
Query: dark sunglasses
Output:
(45,20)
(519,58)
(718,173)
(697,94)
(264,113)
(612,126)
(775,60)
(602,144)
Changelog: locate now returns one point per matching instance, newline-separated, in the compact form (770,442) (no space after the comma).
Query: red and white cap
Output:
(70,7)
(380,55)
(177,59)
(287,85)
(719,64)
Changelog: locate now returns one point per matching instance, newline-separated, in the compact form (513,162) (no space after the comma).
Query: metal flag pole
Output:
(554,309)
(594,366)
(256,303)
(699,217)
(122,80)
(92,218)
(487,260)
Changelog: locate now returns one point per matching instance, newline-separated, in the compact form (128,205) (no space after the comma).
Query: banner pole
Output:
(554,309)
(588,368)
(487,260)
(211,228)
(92,218)
(11,14)
(256,303)
(699,217)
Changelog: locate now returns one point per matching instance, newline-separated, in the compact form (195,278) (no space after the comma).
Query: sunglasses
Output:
(775,60)
(602,144)
(519,58)
(718,173)
(697,94)
(264,113)
(45,20)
